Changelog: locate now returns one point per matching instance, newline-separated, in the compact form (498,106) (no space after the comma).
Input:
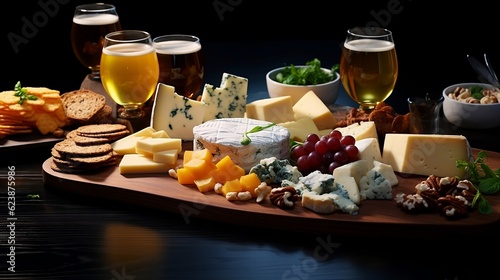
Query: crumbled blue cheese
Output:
(273,171)
(375,186)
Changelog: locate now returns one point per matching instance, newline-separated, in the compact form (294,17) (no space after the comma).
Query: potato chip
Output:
(8,97)
(46,123)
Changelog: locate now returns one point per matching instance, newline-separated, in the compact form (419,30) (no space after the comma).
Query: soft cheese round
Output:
(222,137)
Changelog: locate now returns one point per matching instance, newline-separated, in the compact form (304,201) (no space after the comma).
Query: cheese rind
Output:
(222,137)
(227,101)
(426,154)
(275,110)
(175,114)
(312,107)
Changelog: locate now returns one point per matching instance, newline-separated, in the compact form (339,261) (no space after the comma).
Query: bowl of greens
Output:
(297,80)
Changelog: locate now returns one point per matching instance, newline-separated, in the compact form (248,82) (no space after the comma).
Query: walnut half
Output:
(284,197)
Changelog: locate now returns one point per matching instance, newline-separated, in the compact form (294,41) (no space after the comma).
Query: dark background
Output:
(432,38)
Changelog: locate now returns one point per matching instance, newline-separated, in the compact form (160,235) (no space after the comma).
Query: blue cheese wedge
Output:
(227,101)
(175,114)
(222,137)
(274,171)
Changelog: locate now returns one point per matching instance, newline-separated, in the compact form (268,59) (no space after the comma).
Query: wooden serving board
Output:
(376,217)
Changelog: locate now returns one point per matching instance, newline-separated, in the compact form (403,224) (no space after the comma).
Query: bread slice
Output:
(82,104)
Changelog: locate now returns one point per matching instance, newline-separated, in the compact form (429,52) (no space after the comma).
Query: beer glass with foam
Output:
(91,22)
(368,65)
(182,64)
(129,70)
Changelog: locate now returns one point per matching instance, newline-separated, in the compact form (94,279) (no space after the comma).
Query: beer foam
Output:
(369,45)
(177,47)
(95,19)
(128,49)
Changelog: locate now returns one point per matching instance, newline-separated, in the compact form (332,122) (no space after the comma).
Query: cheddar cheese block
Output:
(426,154)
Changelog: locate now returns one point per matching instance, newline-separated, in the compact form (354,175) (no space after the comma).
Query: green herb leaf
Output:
(245,140)
(22,93)
(312,74)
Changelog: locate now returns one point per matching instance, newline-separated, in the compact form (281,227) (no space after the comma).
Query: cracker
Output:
(101,128)
(82,104)
(69,146)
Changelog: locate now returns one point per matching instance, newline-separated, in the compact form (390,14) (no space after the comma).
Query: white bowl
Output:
(327,92)
(470,115)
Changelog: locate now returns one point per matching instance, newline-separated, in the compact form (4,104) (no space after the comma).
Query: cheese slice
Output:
(360,130)
(275,109)
(227,101)
(176,114)
(167,156)
(151,145)
(426,154)
(311,106)
(137,163)
(299,129)
(126,145)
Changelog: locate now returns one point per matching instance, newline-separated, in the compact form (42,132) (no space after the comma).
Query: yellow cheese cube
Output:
(311,106)
(275,110)
(426,154)
(360,130)
(300,128)
(152,145)
(167,156)
(136,163)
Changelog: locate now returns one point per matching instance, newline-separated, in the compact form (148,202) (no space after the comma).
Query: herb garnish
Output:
(485,180)
(22,93)
(245,140)
(312,74)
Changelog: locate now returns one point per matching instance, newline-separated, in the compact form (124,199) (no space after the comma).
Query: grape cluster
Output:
(325,153)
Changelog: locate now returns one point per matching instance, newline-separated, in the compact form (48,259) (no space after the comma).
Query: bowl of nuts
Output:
(472,105)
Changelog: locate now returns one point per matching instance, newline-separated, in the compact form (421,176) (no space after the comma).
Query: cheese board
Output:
(376,217)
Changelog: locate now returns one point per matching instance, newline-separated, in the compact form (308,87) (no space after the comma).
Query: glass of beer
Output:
(368,65)
(91,22)
(129,70)
(182,64)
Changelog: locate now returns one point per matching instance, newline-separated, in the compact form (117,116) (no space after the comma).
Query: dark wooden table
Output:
(58,235)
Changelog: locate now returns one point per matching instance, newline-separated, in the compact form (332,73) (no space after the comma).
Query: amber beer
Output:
(369,70)
(87,37)
(129,73)
(181,64)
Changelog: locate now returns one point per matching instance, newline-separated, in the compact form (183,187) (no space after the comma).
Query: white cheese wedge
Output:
(227,101)
(318,203)
(275,110)
(300,128)
(386,171)
(137,164)
(175,114)
(369,149)
(360,130)
(222,137)
(312,107)
(350,185)
(426,154)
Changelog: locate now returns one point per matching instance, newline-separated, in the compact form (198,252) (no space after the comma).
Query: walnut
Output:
(284,197)
(453,206)
(447,195)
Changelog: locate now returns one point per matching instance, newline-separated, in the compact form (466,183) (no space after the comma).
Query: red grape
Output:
(315,160)
(335,134)
(352,152)
(309,146)
(321,147)
(347,140)
(312,138)
(340,157)
(298,151)
(333,144)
